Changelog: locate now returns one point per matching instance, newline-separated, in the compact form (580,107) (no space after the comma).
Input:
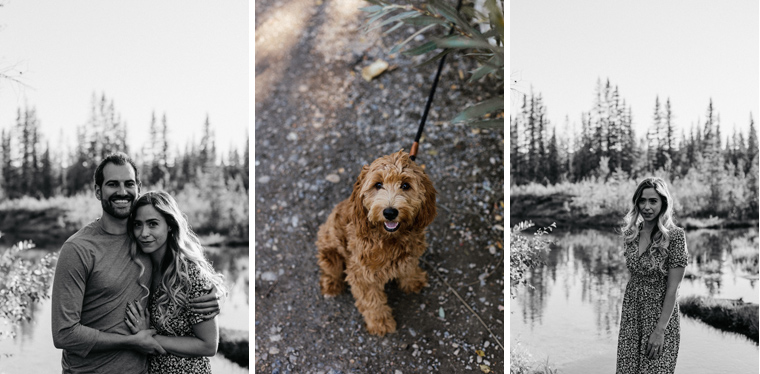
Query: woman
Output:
(180,272)
(655,252)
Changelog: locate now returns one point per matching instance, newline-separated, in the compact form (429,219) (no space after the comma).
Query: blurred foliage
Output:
(22,283)
(485,47)
(522,362)
(693,196)
(525,253)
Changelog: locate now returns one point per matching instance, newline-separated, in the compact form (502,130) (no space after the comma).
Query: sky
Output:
(185,59)
(690,51)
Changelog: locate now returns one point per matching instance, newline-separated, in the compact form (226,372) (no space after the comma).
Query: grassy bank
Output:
(727,315)
(595,202)
(233,344)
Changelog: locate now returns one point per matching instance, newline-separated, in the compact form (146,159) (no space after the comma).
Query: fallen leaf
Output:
(480,353)
(374,69)
(485,368)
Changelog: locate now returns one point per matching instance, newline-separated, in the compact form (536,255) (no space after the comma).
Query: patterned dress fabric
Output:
(642,306)
(182,325)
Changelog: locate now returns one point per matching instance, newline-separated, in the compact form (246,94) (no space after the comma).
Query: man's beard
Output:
(109,208)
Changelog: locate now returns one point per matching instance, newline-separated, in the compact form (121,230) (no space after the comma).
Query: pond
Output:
(32,350)
(571,317)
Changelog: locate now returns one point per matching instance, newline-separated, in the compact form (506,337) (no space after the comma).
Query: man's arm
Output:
(68,292)
(204,343)
(206,305)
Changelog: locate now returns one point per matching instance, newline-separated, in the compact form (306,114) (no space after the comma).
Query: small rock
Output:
(334,178)
(412,332)
(274,351)
(275,338)
(269,276)
(292,136)
(303,88)
(264,179)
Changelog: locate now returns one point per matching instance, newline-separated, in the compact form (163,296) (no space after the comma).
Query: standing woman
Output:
(655,252)
(180,272)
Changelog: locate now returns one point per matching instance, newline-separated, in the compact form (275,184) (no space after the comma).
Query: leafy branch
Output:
(487,48)
(524,253)
(22,283)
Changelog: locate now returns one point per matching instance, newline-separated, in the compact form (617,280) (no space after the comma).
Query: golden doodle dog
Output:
(377,235)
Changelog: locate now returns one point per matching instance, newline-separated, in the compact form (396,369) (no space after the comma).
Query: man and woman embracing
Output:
(133,292)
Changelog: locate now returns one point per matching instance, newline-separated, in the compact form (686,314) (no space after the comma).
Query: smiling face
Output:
(118,191)
(151,230)
(649,204)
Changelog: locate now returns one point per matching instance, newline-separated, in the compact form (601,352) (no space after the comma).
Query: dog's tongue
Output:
(391,225)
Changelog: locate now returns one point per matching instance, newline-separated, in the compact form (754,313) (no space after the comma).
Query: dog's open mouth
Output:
(391,226)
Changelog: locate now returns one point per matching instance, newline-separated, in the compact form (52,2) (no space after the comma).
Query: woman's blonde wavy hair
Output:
(183,248)
(665,224)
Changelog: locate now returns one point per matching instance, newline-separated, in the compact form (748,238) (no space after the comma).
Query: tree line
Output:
(607,146)
(30,166)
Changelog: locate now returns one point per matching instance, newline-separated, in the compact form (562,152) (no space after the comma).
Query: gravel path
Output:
(317,123)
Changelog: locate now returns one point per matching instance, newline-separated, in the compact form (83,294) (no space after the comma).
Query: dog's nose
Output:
(390,213)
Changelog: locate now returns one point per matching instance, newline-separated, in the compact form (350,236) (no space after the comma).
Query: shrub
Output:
(487,48)
(525,253)
(22,283)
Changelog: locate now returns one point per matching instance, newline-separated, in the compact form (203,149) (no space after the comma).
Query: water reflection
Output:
(572,312)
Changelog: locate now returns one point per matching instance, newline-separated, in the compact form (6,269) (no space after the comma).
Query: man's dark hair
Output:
(118,158)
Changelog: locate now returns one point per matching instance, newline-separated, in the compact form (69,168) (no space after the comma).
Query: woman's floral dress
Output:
(182,325)
(642,306)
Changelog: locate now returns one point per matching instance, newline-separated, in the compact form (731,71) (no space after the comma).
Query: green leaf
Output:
(398,47)
(394,28)
(434,59)
(424,21)
(461,42)
(425,48)
(451,14)
(395,18)
(372,9)
(497,123)
(495,16)
(480,109)
(481,72)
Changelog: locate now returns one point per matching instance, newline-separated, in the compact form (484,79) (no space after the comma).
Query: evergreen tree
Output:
(751,143)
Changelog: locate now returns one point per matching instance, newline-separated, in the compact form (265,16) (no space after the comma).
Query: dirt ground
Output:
(317,122)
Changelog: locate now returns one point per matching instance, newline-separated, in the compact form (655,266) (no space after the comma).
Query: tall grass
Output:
(522,362)
(596,196)
(727,315)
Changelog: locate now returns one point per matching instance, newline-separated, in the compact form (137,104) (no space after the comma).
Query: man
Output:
(96,277)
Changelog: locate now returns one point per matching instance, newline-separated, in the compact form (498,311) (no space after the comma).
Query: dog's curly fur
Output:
(376,235)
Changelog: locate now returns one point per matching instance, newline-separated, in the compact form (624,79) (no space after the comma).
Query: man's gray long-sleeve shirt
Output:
(95,278)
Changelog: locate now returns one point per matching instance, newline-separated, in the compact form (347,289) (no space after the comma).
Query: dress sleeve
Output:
(677,253)
(199,286)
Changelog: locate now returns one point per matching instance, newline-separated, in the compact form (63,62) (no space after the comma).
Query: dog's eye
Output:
(405,186)
(378,185)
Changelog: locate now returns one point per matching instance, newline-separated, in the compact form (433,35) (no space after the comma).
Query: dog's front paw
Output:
(381,326)
(414,284)
(331,287)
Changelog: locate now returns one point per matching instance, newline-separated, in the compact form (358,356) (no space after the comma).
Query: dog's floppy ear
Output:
(360,213)
(427,211)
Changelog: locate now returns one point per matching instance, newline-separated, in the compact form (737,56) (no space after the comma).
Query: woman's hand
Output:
(137,318)
(655,344)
